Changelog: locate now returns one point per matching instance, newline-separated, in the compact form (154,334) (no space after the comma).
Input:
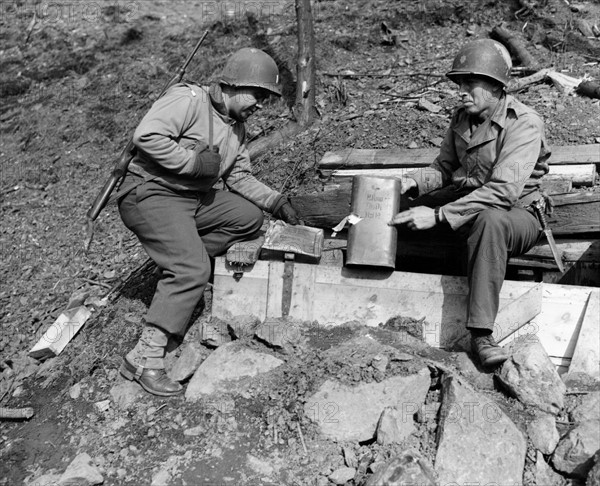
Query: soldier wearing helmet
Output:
(482,183)
(192,137)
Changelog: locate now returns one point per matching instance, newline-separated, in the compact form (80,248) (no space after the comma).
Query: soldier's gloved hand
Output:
(285,211)
(207,163)
(541,169)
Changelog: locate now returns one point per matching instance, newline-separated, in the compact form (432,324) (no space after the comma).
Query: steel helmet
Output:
(252,67)
(483,57)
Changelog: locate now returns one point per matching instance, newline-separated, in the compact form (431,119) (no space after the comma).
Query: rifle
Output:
(127,155)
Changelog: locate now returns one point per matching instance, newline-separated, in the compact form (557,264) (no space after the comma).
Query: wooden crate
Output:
(333,295)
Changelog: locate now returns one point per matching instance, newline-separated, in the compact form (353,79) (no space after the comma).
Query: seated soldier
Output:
(483,182)
(192,137)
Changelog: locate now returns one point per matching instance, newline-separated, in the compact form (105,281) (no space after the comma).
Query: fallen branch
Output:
(514,45)
(518,84)
(31,26)
(16,413)
(589,88)
(382,75)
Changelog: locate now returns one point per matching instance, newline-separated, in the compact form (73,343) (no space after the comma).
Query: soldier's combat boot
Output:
(488,351)
(145,363)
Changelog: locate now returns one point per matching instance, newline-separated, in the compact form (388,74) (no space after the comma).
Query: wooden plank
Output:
(556,326)
(576,198)
(556,186)
(570,219)
(579,174)
(60,333)
(573,250)
(377,158)
(275,289)
(518,312)
(586,356)
(398,157)
(244,296)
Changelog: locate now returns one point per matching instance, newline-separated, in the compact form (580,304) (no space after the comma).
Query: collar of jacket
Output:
(216,98)
(487,131)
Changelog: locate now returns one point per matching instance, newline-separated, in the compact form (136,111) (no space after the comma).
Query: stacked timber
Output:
(572,183)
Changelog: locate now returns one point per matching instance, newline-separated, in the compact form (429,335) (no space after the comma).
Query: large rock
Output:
(226,365)
(406,469)
(214,333)
(574,454)
(81,473)
(543,434)
(342,475)
(281,333)
(588,408)
(244,326)
(351,413)
(394,426)
(477,442)
(593,478)
(531,377)
(125,394)
(188,362)
(544,474)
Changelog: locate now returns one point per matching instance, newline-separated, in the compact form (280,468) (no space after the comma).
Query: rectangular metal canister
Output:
(372,241)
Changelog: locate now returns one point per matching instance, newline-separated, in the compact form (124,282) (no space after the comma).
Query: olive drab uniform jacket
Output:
(490,166)
(175,125)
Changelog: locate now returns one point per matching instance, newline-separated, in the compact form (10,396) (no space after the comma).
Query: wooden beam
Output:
(573,213)
(399,157)
(586,356)
(578,174)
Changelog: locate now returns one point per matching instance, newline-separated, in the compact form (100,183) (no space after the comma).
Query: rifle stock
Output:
(117,173)
(122,163)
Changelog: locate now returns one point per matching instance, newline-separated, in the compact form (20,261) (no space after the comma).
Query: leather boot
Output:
(145,364)
(488,351)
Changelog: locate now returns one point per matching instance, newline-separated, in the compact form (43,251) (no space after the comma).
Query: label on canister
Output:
(371,241)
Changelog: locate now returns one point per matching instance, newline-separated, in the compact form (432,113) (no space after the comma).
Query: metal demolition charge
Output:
(375,200)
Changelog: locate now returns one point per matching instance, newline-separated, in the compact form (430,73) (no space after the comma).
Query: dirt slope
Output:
(73,86)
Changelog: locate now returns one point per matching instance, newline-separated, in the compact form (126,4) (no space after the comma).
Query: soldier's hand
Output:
(207,163)
(417,218)
(287,213)
(541,169)
(407,184)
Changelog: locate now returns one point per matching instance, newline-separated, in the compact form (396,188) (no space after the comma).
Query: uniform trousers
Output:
(493,237)
(181,231)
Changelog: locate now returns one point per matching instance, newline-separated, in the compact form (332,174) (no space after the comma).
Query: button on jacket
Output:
(177,122)
(493,162)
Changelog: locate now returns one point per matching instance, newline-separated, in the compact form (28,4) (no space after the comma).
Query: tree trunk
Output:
(304,110)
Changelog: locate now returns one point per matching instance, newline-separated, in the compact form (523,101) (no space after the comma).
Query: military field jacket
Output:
(166,137)
(492,164)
